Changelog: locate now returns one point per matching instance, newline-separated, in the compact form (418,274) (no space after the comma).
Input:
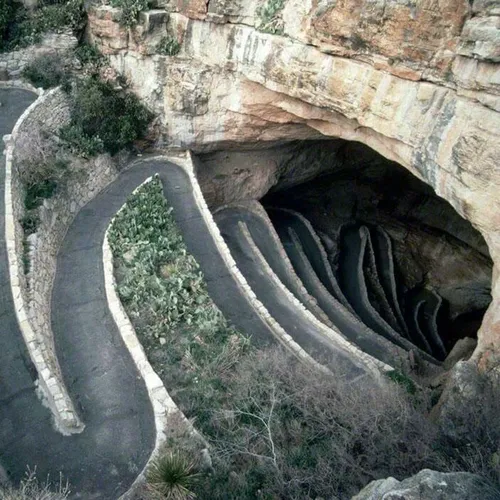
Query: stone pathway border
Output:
(275,328)
(50,384)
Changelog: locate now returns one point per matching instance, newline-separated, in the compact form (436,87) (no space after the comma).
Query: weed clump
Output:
(46,71)
(168,46)
(270,17)
(130,10)
(21,28)
(103,118)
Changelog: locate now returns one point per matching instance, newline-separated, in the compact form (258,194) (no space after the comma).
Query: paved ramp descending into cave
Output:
(280,250)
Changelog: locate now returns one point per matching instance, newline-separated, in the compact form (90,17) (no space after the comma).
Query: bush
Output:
(79,143)
(289,431)
(26,28)
(270,18)
(36,158)
(172,476)
(11,15)
(46,71)
(470,433)
(101,114)
(40,171)
(36,193)
(130,10)
(6,15)
(58,17)
(403,380)
(29,223)
(90,58)
(168,46)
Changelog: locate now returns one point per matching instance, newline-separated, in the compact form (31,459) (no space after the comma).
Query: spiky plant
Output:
(172,476)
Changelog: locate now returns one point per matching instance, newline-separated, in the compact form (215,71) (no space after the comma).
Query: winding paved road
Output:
(108,392)
(110,396)
(103,461)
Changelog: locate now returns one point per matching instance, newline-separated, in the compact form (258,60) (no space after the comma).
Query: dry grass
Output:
(31,488)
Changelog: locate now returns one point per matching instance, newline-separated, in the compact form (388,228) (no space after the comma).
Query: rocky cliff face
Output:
(418,81)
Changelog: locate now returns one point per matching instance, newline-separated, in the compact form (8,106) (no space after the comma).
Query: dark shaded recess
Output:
(426,239)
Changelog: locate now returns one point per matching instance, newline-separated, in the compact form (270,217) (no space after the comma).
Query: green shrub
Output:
(79,143)
(44,183)
(12,16)
(90,57)
(46,71)
(270,18)
(6,15)
(30,222)
(130,10)
(58,17)
(36,193)
(168,46)
(403,380)
(101,114)
(26,28)
(172,476)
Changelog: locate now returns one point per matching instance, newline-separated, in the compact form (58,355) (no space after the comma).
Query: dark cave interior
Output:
(341,187)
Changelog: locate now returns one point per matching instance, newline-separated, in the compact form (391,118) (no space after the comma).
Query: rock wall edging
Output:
(32,292)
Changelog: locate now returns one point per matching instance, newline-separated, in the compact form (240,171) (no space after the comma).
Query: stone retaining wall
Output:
(52,43)
(32,293)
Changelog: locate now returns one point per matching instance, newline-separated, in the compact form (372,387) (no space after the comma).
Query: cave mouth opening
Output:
(371,216)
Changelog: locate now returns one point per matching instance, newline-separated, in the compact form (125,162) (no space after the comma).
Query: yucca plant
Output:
(172,476)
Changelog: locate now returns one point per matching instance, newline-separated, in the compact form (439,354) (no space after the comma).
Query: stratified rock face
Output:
(430,485)
(416,80)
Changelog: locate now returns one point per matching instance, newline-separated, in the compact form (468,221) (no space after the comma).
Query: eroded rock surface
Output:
(430,485)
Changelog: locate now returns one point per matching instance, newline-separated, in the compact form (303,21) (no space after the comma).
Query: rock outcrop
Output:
(430,485)
(417,81)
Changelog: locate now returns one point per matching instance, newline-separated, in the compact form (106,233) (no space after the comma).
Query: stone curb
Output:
(324,256)
(257,209)
(20,84)
(50,384)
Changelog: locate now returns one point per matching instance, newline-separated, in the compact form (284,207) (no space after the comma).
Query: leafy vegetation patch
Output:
(46,71)
(103,118)
(168,46)
(270,17)
(90,58)
(403,380)
(162,287)
(21,28)
(130,10)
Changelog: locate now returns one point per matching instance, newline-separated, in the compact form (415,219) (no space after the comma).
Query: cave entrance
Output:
(352,196)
